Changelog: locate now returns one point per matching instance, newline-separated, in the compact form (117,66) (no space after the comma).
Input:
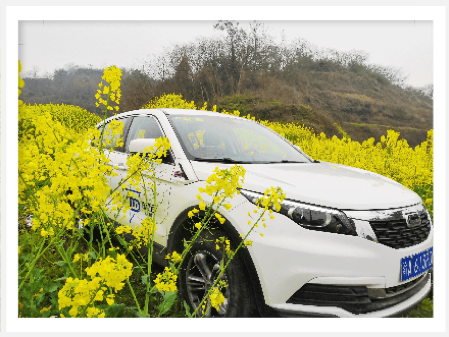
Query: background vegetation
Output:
(245,70)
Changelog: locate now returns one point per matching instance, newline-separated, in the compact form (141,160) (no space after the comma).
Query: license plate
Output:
(414,265)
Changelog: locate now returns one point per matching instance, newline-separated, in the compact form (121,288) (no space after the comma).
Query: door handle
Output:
(121,166)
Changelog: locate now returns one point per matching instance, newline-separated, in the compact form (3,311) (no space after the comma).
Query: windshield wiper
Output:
(233,161)
(286,161)
(292,161)
(223,160)
(298,162)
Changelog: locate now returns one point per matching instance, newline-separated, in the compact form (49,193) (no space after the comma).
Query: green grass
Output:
(52,271)
(125,295)
(424,309)
(48,262)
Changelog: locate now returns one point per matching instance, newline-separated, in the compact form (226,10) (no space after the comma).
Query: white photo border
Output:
(9,183)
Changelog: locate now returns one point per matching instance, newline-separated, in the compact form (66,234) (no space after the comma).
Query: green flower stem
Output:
(66,260)
(105,226)
(41,252)
(28,188)
(104,117)
(38,255)
(204,224)
(124,244)
(134,295)
(121,183)
(32,265)
(227,263)
(150,242)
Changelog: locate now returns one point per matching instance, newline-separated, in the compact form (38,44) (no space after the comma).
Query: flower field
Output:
(74,263)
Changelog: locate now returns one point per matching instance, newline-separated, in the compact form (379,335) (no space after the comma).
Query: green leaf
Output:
(115,310)
(37,273)
(60,243)
(169,294)
(60,263)
(169,300)
(53,287)
(112,254)
(173,268)
(92,255)
(46,314)
(145,279)
(186,306)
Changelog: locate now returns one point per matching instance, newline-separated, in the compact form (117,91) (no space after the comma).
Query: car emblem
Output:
(412,219)
(178,174)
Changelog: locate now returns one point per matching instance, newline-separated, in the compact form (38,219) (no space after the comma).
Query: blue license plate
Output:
(414,265)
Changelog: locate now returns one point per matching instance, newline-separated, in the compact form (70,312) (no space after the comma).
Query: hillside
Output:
(362,106)
(246,70)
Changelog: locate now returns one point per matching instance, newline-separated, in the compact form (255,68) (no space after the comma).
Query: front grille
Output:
(396,234)
(356,299)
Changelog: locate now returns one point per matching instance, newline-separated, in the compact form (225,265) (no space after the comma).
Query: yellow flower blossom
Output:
(76,258)
(216,298)
(45,309)
(175,257)
(166,281)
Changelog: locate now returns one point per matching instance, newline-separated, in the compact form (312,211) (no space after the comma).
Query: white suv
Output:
(347,242)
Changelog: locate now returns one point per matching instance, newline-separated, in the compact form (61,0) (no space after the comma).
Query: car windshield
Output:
(227,139)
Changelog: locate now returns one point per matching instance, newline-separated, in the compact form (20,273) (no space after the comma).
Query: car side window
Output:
(143,127)
(126,121)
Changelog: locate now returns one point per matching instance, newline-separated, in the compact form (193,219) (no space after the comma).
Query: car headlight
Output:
(309,216)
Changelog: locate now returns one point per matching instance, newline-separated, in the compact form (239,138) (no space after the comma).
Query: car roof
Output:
(170,111)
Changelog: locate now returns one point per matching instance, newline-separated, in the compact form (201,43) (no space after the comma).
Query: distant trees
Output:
(242,59)
(137,89)
(76,86)
(427,90)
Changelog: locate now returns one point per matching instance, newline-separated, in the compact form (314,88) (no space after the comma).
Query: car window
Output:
(235,139)
(111,141)
(249,139)
(143,127)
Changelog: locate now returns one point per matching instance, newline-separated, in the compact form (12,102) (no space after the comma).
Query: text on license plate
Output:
(414,265)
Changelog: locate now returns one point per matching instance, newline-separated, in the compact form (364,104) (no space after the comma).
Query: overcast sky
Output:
(50,45)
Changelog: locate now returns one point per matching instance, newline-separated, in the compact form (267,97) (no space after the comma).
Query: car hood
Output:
(323,184)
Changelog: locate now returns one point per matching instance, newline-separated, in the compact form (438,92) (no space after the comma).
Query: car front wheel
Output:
(201,268)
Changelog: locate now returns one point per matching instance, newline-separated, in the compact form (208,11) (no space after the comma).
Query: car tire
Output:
(201,267)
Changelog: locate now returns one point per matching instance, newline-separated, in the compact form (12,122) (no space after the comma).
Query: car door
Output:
(141,204)
(115,154)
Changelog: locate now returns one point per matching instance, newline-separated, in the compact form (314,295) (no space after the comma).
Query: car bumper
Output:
(288,256)
(403,305)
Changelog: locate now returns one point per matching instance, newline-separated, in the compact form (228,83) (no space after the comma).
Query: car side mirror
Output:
(139,144)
